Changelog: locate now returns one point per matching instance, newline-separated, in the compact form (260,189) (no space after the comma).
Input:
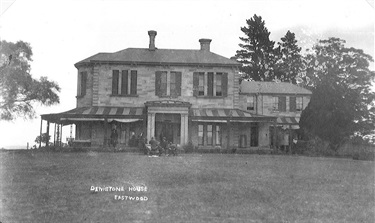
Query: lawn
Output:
(55,187)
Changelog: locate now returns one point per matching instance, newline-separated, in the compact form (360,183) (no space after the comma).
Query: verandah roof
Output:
(96,113)
(233,115)
(288,120)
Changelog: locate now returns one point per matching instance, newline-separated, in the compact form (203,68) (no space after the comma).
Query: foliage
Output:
(189,147)
(342,104)
(257,53)
(290,61)
(45,138)
(18,89)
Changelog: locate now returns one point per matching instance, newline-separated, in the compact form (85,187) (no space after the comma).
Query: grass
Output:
(55,187)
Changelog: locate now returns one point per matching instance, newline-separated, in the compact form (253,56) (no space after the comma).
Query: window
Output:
(168,83)
(201,84)
(163,83)
(250,103)
(209,135)
(82,83)
(243,142)
(279,103)
(172,83)
(282,103)
(200,135)
(210,84)
(218,84)
(133,82)
(115,81)
(124,84)
(218,135)
(299,103)
(275,105)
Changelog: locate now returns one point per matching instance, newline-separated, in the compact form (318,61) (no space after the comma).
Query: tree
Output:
(45,139)
(18,90)
(342,103)
(290,61)
(257,53)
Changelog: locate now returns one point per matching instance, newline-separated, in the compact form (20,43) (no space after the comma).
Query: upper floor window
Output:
(82,82)
(201,84)
(275,105)
(210,84)
(124,84)
(168,84)
(299,103)
(295,104)
(218,84)
(279,103)
(250,103)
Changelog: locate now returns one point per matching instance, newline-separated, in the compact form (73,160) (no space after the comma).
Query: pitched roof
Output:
(160,57)
(253,87)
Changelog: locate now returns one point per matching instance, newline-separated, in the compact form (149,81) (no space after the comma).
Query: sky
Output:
(62,33)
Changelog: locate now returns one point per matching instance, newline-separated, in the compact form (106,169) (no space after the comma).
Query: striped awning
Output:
(288,120)
(205,114)
(96,113)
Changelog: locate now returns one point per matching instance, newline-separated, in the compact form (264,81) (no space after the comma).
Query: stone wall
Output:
(264,105)
(99,87)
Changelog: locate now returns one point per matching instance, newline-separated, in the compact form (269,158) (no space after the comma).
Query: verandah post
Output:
(47,140)
(40,133)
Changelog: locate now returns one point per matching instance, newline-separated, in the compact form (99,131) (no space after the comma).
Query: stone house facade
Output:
(282,100)
(183,95)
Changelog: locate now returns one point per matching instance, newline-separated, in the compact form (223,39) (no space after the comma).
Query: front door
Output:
(167,130)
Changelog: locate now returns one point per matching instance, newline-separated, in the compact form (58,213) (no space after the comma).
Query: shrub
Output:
(189,147)
(318,147)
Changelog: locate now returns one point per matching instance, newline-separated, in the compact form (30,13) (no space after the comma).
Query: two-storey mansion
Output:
(183,95)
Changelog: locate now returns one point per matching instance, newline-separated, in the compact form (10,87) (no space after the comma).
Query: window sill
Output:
(168,96)
(210,97)
(124,96)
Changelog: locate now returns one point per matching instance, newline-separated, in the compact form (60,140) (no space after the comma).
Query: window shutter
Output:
(178,83)
(195,83)
(83,83)
(124,82)
(210,84)
(292,104)
(133,83)
(224,84)
(115,77)
(279,105)
(282,103)
(158,83)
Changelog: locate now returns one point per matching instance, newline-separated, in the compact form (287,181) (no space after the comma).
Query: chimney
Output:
(205,44)
(152,35)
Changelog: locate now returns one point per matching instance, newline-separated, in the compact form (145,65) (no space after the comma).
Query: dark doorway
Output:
(167,131)
(168,126)
(254,135)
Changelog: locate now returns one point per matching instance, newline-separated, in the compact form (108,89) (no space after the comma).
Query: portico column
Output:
(41,133)
(150,126)
(184,129)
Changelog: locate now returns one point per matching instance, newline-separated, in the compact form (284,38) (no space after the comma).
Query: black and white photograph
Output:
(187,111)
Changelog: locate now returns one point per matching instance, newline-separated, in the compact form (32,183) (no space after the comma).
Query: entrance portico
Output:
(165,117)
